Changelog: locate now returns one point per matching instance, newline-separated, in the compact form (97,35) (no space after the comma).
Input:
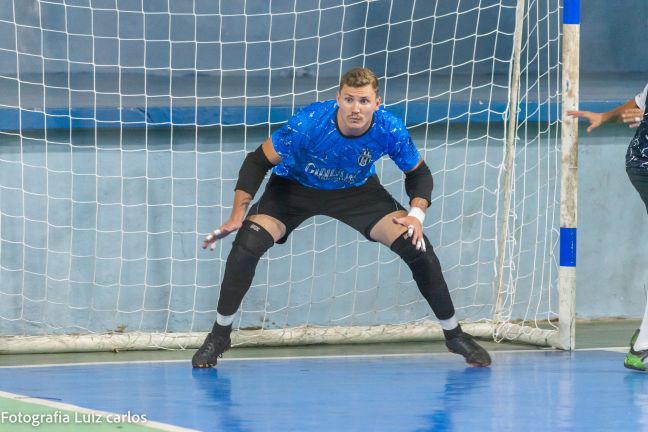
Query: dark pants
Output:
(639,179)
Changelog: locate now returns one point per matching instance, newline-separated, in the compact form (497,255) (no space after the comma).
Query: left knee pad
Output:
(426,271)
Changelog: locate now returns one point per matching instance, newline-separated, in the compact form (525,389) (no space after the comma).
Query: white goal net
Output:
(124,124)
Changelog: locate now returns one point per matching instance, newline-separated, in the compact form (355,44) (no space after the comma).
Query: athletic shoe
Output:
(213,347)
(636,359)
(465,345)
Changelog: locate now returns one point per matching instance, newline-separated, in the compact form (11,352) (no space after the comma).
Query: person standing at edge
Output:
(632,113)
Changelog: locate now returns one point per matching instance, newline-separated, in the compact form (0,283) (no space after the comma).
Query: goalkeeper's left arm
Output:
(418,186)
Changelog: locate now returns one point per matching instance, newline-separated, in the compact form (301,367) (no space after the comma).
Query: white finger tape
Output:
(209,237)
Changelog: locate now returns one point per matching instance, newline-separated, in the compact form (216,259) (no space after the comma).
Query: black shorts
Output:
(639,179)
(292,203)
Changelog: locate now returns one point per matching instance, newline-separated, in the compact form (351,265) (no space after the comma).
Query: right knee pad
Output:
(251,242)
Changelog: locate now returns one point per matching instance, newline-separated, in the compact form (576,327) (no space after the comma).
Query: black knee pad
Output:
(426,271)
(251,242)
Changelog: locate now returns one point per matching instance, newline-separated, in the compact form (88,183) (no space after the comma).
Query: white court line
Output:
(622,349)
(75,408)
(304,357)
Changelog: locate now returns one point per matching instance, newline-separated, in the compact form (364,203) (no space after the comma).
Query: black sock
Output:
(219,330)
(450,334)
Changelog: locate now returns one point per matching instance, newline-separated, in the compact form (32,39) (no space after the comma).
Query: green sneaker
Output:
(636,359)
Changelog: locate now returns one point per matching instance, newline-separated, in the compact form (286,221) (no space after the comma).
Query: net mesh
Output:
(124,125)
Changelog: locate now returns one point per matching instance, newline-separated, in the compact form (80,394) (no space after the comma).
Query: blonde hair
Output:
(359,77)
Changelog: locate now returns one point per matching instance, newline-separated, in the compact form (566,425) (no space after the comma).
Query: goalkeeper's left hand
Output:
(414,230)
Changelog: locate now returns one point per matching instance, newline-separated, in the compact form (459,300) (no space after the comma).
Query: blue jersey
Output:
(317,155)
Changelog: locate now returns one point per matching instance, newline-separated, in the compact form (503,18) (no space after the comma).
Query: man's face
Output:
(356,108)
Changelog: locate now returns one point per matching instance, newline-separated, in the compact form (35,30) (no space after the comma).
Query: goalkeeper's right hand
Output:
(226,229)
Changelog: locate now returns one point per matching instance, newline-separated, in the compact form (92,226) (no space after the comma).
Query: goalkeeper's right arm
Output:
(253,170)
(255,166)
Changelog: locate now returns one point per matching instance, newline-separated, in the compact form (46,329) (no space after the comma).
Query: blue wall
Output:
(611,35)
(612,275)
(101,230)
(101,225)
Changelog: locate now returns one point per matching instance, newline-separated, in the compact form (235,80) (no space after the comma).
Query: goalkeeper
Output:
(323,164)
(633,114)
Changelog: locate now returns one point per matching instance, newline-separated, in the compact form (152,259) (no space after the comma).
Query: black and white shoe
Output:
(213,348)
(465,345)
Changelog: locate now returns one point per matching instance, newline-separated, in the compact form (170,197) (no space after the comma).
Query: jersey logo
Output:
(364,158)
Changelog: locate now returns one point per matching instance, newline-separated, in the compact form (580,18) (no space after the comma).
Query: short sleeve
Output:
(289,138)
(402,149)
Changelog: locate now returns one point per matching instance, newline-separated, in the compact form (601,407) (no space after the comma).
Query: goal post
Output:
(569,177)
(124,125)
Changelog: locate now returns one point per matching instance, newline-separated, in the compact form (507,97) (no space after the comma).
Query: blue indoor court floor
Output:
(585,390)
